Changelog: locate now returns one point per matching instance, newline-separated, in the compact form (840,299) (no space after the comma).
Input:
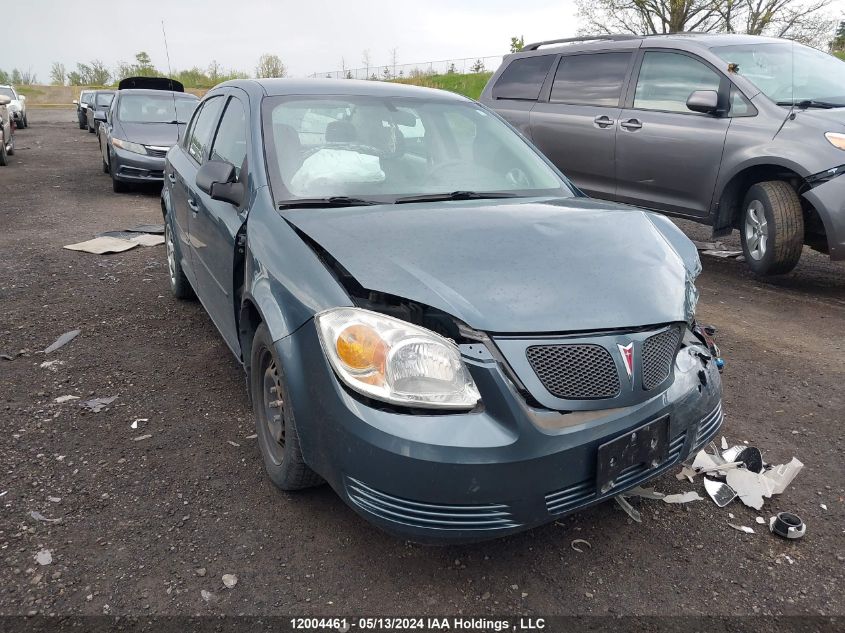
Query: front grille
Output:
(575,372)
(709,424)
(585,491)
(157,153)
(491,516)
(658,353)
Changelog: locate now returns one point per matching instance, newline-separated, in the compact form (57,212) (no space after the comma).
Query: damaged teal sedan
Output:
(431,318)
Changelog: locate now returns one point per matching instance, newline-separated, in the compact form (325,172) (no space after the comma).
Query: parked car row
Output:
(733,131)
(12,116)
(136,125)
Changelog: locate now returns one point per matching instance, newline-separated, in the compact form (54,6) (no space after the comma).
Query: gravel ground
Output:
(147,525)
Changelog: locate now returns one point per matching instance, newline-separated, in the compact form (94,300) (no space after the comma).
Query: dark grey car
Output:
(137,130)
(100,102)
(734,131)
(85,99)
(431,318)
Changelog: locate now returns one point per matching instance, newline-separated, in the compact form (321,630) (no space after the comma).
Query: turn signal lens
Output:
(836,139)
(360,348)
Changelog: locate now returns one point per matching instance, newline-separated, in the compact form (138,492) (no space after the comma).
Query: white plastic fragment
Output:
(685,497)
(781,476)
(134,424)
(62,399)
(645,493)
(750,487)
(35,514)
(44,557)
(720,492)
(3,494)
(579,541)
(686,473)
(141,438)
(233,443)
(63,340)
(760,520)
(824,506)
(630,510)
(52,365)
(724,443)
(230,580)
(742,528)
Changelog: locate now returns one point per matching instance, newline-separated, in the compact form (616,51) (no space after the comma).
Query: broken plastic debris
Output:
(685,497)
(742,528)
(230,580)
(824,506)
(62,399)
(140,438)
(781,476)
(579,541)
(645,493)
(721,493)
(35,514)
(44,557)
(63,340)
(724,443)
(233,443)
(630,510)
(2,494)
(686,473)
(98,404)
(102,245)
(787,525)
(750,487)
(752,458)
(760,520)
(52,365)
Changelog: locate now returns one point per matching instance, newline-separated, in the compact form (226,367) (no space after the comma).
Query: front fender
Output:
(284,278)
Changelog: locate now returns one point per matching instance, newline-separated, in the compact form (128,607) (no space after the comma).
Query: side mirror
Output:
(217,179)
(704,101)
(4,100)
(99,115)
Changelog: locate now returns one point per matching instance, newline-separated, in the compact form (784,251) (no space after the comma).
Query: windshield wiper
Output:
(455,195)
(331,201)
(803,104)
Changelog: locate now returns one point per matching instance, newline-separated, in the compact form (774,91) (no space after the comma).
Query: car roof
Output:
(681,40)
(146,91)
(363,87)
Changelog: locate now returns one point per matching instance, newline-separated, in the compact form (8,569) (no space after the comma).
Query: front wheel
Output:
(772,228)
(25,121)
(274,422)
(179,284)
(3,157)
(117,186)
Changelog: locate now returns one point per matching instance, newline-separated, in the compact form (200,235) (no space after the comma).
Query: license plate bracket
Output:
(648,444)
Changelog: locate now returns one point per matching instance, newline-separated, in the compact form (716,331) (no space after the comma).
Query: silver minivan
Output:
(733,131)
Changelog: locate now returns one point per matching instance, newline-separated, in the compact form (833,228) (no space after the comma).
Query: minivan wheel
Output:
(274,422)
(179,284)
(772,228)
(3,159)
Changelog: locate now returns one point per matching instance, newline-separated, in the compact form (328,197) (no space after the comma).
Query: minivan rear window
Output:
(595,79)
(523,78)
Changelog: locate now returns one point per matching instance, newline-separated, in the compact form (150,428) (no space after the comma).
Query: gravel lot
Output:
(148,525)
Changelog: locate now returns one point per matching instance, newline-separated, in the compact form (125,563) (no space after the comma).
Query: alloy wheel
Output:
(756,230)
(272,412)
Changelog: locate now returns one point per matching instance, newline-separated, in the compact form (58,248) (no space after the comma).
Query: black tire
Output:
(25,121)
(772,228)
(105,164)
(3,159)
(278,438)
(82,125)
(117,186)
(179,284)
(11,151)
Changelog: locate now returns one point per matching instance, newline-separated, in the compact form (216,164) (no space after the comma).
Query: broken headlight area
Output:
(394,361)
(129,146)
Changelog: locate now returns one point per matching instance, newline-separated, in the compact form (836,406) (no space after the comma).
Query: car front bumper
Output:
(16,115)
(503,468)
(136,168)
(828,199)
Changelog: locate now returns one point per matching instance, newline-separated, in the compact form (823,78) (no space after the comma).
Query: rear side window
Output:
(594,80)
(523,78)
(230,144)
(668,79)
(203,128)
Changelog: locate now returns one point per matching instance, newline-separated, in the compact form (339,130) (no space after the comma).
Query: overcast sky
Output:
(310,35)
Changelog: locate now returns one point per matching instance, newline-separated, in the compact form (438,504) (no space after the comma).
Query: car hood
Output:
(833,120)
(530,266)
(161,134)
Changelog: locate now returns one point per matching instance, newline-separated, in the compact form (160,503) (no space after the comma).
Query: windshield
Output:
(7,92)
(155,108)
(817,76)
(382,148)
(104,98)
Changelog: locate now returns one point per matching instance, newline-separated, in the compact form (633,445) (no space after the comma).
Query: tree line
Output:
(96,73)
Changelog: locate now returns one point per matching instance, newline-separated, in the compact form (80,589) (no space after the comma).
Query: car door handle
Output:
(194,206)
(631,124)
(171,177)
(603,121)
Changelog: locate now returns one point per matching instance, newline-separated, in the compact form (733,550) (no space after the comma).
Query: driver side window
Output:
(230,142)
(203,127)
(667,80)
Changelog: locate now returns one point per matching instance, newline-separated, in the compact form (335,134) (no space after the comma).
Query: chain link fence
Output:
(420,69)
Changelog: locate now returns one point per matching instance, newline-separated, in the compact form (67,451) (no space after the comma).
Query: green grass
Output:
(840,55)
(467,85)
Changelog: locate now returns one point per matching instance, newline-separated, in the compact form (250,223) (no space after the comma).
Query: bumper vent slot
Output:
(709,425)
(585,491)
(429,515)
(658,353)
(575,372)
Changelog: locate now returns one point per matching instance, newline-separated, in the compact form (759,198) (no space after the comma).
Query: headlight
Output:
(393,361)
(129,146)
(836,139)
